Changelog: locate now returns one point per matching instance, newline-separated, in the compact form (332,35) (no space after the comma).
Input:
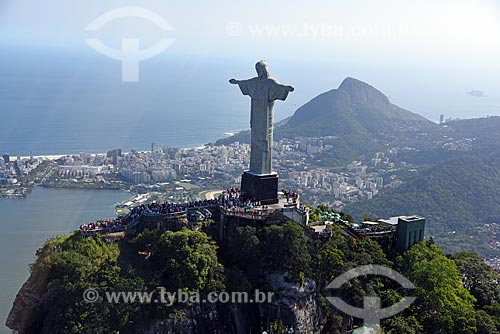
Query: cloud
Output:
(476,93)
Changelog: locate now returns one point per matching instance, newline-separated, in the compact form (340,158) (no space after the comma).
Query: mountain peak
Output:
(354,108)
(352,81)
(363,93)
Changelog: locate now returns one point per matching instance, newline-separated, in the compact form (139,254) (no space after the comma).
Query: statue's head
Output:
(262,70)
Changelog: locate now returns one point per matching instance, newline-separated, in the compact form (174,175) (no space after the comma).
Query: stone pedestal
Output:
(263,188)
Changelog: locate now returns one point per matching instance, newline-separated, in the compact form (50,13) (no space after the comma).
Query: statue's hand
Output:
(290,88)
(233,81)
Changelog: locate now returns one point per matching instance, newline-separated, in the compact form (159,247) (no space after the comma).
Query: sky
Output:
(455,32)
(448,45)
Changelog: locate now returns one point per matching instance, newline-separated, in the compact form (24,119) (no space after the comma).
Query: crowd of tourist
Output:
(231,199)
(149,209)
(108,224)
(291,196)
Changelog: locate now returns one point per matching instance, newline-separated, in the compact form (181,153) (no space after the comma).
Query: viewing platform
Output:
(288,207)
(151,213)
(229,206)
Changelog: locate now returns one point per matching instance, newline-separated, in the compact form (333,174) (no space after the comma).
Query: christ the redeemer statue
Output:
(263,90)
(259,183)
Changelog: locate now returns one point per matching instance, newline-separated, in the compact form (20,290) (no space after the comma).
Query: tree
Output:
(329,262)
(284,248)
(399,324)
(479,278)
(443,304)
(485,323)
(187,260)
(68,266)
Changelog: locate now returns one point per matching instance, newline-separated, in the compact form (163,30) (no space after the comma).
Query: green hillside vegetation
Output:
(485,131)
(362,121)
(481,134)
(456,294)
(360,117)
(67,266)
(458,195)
(444,304)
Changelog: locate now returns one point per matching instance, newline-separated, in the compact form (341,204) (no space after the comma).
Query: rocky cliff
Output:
(51,300)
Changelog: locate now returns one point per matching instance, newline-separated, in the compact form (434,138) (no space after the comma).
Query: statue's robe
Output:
(263,91)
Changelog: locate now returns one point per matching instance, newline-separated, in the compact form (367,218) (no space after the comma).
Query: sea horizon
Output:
(60,155)
(57,102)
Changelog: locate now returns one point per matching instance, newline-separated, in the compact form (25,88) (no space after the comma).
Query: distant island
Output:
(476,93)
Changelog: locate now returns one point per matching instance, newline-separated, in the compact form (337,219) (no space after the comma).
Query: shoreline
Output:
(43,157)
(56,156)
(53,157)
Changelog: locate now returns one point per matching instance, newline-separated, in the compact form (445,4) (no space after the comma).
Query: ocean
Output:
(70,103)
(67,101)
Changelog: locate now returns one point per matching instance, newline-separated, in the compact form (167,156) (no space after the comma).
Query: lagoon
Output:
(27,223)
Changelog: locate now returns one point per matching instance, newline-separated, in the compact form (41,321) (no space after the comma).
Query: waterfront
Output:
(27,223)
(56,102)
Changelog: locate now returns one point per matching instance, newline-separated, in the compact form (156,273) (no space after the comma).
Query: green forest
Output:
(455,293)
(456,197)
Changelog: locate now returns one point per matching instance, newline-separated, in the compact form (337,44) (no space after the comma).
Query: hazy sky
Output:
(444,32)
(433,44)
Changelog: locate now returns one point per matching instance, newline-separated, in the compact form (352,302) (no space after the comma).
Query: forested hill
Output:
(355,108)
(360,121)
(458,294)
(360,117)
(458,195)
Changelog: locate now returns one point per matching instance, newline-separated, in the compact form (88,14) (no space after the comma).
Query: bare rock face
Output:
(362,93)
(198,319)
(295,304)
(25,307)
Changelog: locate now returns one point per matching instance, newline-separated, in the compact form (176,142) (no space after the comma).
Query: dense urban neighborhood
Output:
(205,168)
